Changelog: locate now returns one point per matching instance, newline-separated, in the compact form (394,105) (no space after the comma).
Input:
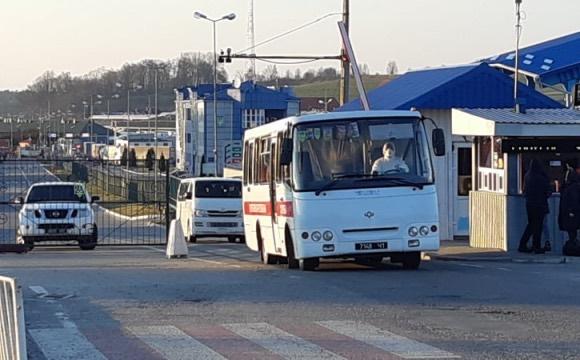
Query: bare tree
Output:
(392,68)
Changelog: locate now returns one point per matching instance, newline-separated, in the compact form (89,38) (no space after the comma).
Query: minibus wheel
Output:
(412,260)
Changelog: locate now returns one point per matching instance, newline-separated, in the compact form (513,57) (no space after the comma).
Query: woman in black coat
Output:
(536,191)
(569,216)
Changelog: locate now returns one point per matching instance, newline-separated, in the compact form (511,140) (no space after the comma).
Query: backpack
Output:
(571,248)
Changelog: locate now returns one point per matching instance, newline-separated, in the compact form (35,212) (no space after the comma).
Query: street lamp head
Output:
(199,15)
(231,16)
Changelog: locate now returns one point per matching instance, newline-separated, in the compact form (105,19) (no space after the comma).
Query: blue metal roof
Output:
(466,86)
(554,61)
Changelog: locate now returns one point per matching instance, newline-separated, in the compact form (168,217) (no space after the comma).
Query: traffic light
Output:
(225,57)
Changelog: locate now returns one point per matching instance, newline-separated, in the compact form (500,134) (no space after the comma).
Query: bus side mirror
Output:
(188,195)
(438,141)
(286,152)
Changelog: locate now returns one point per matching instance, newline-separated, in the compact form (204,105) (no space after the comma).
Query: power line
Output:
(288,63)
(289,32)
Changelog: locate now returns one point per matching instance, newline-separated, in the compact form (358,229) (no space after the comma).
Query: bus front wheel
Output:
(411,261)
(291,261)
(266,258)
(309,264)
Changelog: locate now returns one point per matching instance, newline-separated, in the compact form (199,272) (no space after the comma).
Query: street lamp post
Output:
(231,16)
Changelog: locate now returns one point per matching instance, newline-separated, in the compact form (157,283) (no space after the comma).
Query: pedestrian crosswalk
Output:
(324,340)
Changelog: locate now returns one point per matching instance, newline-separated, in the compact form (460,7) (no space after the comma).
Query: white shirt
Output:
(383,165)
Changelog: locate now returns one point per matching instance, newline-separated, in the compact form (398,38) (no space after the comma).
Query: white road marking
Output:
(387,341)
(471,265)
(65,344)
(39,290)
(504,269)
(174,344)
(195,259)
(280,342)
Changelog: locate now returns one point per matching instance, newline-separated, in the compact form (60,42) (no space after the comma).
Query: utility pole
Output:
(345,73)
(517,58)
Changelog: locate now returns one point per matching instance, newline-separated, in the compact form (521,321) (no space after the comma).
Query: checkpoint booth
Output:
(503,144)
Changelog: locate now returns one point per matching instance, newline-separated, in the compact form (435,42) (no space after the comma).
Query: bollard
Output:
(176,245)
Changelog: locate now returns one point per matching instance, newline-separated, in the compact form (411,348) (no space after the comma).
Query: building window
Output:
(463,171)
(188,138)
(253,118)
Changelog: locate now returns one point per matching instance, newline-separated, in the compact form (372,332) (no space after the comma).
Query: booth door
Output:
(461,187)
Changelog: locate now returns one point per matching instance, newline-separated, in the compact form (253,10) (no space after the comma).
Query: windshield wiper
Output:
(397,179)
(337,177)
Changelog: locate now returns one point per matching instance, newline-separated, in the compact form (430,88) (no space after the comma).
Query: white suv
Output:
(57,211)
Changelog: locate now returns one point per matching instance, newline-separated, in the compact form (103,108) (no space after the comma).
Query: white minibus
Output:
(341,185)
(210,207)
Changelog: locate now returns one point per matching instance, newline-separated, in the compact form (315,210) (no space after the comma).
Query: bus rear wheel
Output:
(309,264)
(412,260)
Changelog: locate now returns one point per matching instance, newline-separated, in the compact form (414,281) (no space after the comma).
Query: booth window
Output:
(485,152)
(464,171)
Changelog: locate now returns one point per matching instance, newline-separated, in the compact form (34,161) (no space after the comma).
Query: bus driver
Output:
(389,162)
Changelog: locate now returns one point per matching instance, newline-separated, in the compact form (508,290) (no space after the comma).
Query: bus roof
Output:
(340,115)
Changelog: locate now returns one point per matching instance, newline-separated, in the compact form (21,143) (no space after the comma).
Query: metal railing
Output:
(12,326)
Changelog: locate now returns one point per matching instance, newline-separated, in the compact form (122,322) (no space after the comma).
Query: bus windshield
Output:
(361,153)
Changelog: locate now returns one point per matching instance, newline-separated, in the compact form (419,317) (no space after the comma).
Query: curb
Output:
(506,259)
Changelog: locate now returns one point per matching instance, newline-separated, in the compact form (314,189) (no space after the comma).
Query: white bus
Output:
(341,185)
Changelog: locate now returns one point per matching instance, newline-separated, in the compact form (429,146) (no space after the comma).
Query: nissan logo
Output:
(369,214)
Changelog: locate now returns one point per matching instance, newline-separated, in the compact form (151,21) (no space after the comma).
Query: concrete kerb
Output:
(504,259)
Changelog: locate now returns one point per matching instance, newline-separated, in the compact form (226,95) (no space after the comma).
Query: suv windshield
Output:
(57,193)
(218,189)
(361,153)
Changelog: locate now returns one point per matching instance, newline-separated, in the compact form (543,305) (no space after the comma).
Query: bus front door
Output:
(278,240)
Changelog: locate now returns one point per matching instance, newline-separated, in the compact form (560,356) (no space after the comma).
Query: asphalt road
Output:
(221,303)
(17,176)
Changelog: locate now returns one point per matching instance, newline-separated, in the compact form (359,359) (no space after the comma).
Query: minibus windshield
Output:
(361,153)
(218,189)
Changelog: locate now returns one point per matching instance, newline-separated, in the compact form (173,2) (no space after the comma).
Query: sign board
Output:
(68,135)
(540,146)
(85,135)
(233,154)
(52,135)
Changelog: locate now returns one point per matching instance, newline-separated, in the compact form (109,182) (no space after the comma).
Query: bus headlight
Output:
(413,231)
(424,231)
(316,236)
(327,236)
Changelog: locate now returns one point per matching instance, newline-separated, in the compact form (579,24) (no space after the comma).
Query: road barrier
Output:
(12,326)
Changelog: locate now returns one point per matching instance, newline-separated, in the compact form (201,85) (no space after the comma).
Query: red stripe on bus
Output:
(258,208)
(283,208)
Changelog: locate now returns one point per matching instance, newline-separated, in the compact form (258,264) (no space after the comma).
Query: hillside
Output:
(330,88)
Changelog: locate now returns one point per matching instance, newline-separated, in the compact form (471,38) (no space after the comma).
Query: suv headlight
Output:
(413,231)
(200,213)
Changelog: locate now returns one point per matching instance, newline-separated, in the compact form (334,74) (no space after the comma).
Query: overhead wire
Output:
(291,31)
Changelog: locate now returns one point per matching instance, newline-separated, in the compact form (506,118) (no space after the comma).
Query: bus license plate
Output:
(371,246)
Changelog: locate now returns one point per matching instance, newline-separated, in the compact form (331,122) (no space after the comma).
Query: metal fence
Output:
(12,326)
(133,206)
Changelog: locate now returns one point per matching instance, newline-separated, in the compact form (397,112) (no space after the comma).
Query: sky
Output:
(79,36)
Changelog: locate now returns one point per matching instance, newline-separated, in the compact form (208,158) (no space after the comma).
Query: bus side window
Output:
(247,163)
(278,168)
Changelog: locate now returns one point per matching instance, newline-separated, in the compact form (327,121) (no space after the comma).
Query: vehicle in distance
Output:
(57,211)
(210,207)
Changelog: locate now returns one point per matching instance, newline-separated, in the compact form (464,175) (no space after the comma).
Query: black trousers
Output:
(534,228)
(572,235)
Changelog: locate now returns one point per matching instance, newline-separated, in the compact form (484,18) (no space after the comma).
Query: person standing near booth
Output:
(537,190)
(569,216)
